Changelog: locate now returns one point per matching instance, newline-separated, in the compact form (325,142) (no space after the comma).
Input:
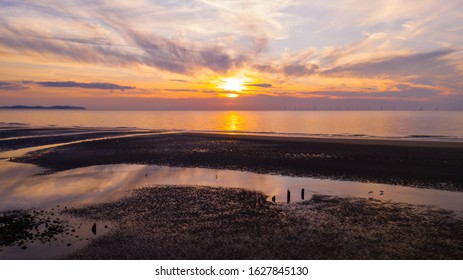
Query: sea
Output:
(417,125)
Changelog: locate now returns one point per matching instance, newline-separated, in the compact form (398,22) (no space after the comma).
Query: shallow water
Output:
(95,184)
(78,235)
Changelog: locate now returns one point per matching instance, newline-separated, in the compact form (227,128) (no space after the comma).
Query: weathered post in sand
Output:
(273,198)
(302,194)
(94,228)
(289,196)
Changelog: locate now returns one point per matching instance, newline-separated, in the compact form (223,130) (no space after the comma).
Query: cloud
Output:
(300,70)
(33,42)
(179,57)
(24,85)
(12,86)
(181,90)
(72,84)
(434,68)
(291,69)
(116,37)
(179,81)
(264,85)
(153,50)
(396,65)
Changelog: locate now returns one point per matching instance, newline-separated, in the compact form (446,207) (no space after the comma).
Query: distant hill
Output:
(23,107)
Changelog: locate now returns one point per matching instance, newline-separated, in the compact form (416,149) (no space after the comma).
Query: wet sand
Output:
(18,138)
(170,222)
(435,165)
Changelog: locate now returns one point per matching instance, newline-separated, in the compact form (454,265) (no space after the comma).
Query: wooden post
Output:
(302,194)
(94,228)
(273,198)
(289,196)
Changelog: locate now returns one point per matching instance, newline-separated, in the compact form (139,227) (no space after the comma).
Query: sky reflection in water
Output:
(22,189)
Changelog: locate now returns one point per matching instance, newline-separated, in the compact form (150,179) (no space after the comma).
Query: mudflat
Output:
(191,222)
(435,165)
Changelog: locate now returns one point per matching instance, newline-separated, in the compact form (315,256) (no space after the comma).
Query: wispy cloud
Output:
(289,69)
(178,57)
(263,85)
(120,33)
(181,90)
(71,84)
(12,86)
(179,80)
(397,65)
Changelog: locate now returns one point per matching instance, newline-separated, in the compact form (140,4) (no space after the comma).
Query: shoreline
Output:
(381,141)
(406,140)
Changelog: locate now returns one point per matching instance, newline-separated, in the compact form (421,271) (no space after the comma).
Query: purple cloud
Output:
(264,85)
(290,69)
(84,85)
(181,90)
(12,86)
(415,64)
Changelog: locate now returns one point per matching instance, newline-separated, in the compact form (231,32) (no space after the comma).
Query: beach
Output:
(18,138)
(427,164)
(213,222)
(171,222)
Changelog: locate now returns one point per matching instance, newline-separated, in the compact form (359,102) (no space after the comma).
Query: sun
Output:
(232,84)
(232,95)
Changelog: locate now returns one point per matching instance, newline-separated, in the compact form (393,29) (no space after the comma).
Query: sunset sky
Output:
(206,54)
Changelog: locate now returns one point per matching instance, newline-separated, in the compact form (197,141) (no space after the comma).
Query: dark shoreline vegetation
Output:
(198,222)
(429,166)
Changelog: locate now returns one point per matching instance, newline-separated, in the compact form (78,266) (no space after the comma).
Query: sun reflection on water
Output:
(233,122)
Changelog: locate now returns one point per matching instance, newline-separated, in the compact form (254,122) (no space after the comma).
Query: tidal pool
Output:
(22,189)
